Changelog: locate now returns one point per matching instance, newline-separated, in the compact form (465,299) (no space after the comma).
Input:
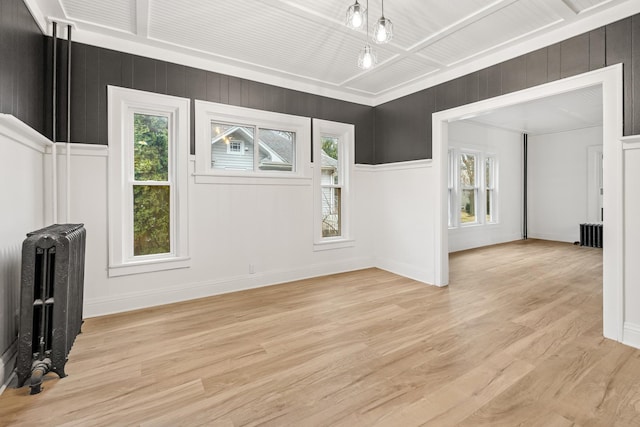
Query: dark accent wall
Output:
(403,126)
(94,68)
(22,65)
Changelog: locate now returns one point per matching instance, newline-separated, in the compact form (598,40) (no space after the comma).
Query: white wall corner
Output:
(631,335)
(7,364)
(406,270)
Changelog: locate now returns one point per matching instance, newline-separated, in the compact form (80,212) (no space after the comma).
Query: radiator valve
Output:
(38,370)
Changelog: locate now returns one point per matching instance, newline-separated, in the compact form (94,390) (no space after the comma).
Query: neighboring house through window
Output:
(242,142)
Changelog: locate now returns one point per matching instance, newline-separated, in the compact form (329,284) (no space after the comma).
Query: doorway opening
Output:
(610,81)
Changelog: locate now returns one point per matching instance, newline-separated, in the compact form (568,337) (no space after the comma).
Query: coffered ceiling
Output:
(305,45)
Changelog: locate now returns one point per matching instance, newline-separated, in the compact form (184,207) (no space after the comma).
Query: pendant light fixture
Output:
(367,58)
(383,30)
(355,15)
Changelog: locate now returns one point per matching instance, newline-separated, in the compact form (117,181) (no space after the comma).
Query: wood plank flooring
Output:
(516,339)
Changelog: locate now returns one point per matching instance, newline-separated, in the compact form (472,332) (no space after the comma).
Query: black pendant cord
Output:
(525,143)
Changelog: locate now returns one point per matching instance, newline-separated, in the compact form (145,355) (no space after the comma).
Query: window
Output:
(243,143)
(468,188)
(489,184)
(331,186)
(450,185)
(333,156)
(234,146)
(148,160)
(472,188)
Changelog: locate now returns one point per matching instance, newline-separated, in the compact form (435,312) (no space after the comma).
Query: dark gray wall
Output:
(22,68)
(94,68)
(403,126)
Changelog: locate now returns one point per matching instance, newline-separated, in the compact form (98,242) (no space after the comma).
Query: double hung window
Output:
(148,172)
(472,188)
(333,157)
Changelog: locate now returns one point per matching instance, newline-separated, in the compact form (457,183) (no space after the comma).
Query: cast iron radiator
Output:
(51,296)
(591,235)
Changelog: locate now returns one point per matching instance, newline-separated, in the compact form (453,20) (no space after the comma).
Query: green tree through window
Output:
(151,189)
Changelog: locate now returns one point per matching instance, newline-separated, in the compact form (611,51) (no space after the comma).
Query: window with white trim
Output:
(472,187)
(468,165)
(148,172)
(237,143)
(333,145)
(490,189)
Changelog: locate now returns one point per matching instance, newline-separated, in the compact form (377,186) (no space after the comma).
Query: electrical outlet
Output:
(252,269)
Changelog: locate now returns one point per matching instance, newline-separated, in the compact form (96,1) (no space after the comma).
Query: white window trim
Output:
(495,215)
(346,135)
(206,112)
(122,104)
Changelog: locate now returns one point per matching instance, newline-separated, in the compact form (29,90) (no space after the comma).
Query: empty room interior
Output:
(320,213)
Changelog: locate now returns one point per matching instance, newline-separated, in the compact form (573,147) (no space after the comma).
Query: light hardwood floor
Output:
(516,339)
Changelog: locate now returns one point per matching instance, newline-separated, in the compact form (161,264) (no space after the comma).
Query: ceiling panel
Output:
(559,113)
(117,14)
(502,26)
(582,5)
(293,44)
(382,78)
(416,20)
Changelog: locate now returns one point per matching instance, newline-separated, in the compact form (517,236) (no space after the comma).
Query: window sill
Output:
(149,266)
(251,180)
(333,244)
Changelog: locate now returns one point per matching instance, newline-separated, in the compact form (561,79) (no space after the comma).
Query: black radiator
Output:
(591,235)
(51,297)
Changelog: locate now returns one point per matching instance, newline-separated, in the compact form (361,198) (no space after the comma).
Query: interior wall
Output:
(230,228)
(558,188)
(506,146)
(403,219)
(22,70)
(22,185)
(94,68)
(632,244)
(611,44)
(22,82)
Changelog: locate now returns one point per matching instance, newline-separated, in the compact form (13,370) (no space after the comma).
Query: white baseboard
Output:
(462,242)
(108,305)
(406,270)
(7,364)
(631,335)
(554,237)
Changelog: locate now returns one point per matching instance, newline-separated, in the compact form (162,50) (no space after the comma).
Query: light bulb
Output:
(367,58)
(355,15)
(356,20)
(366,61)
(381,34)
(383,31)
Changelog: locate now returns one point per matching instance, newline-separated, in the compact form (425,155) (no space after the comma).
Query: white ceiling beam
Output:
(142,18)
(565,9)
